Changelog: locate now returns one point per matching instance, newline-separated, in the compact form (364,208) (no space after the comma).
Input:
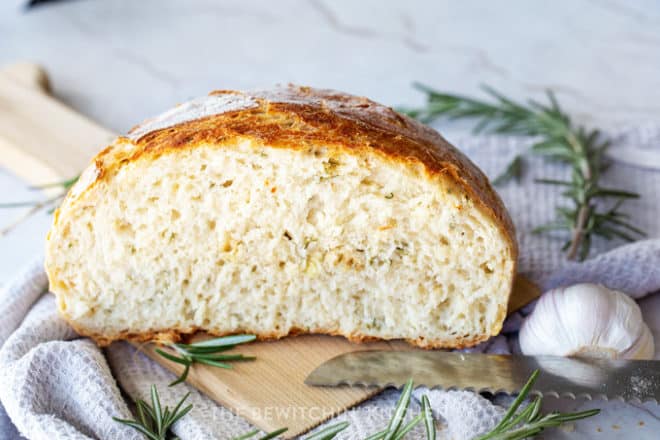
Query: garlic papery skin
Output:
(587,320)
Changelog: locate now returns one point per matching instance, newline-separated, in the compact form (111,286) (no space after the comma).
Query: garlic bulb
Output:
(587,320)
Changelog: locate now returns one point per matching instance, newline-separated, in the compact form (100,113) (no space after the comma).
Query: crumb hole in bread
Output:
(227,243)
(122,227)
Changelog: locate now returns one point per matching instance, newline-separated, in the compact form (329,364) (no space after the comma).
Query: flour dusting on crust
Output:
(195,109)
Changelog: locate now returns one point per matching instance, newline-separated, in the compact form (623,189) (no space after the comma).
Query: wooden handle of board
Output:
(41,139)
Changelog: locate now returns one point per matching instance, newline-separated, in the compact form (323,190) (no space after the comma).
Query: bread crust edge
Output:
(177,335)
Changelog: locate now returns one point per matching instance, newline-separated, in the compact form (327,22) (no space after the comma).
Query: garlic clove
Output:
(587,320)
(644,348)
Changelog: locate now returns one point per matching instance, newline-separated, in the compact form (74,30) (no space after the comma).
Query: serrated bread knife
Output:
(559,376)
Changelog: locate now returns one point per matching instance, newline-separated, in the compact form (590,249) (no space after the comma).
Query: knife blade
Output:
(559,376)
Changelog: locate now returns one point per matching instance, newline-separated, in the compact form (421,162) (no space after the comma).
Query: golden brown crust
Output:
(177,335)
(304,118)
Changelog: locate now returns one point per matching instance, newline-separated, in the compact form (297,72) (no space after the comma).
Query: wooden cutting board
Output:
(44,141)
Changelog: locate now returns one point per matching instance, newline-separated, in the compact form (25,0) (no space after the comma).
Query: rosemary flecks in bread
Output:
(287,211)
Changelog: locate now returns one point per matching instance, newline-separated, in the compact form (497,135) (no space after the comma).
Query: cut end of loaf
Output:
(275,239)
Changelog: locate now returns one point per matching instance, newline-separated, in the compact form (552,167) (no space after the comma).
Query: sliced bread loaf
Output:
(287,211)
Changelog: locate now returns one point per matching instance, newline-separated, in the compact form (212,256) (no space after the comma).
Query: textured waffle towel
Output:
(55,385)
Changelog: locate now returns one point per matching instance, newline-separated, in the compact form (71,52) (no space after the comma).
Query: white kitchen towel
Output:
(54,384)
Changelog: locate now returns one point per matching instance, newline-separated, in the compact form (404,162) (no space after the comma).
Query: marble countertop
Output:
(122,61)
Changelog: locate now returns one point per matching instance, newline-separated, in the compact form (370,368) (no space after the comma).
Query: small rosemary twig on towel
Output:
(37,205)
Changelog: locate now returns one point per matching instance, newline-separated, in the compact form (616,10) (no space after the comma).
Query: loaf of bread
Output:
(280,212)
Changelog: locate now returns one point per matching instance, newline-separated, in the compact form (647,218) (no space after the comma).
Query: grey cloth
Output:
(54,384)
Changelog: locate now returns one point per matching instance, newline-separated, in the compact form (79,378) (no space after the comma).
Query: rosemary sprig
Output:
(37,205)
(154,421)
(395,430)
(559,138)
(268,436)
(529,422)
(429,423)
(207,352)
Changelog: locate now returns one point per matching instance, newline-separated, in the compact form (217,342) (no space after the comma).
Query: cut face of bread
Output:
(203,226)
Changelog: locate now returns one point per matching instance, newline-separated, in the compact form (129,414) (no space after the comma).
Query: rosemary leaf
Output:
(555,226)
(267,436)
(273,434)
(513,171)
(429,423)
(213,363)
(225,357)
(325,434)
(224,341)
(155,404)
(400,411)
(554,182)
(183,348)
(24,204)
(247,435)
(173,358)
(329,432)
(408,427)
(377,436)
(65,184)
